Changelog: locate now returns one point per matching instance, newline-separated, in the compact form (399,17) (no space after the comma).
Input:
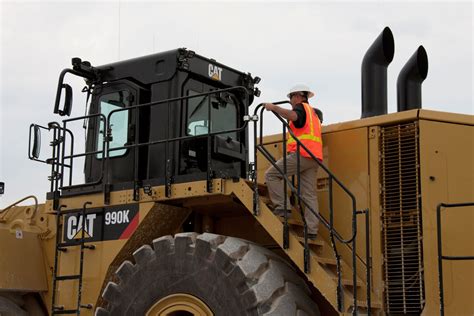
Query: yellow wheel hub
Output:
(179,305)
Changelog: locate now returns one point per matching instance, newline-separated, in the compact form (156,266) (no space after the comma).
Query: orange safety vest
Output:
(309,135)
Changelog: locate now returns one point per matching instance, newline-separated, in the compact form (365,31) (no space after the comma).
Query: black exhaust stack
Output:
(374,74)
(410,79)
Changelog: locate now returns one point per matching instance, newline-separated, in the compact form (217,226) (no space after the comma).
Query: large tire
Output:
(231,276)
(8,307)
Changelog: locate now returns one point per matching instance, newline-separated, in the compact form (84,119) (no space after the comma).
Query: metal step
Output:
(74,244)
(348,282)
(362,309)
(373,305)
(68,277)
(316,242)
(262,188)
(66,311)
(324,260)
(59,310)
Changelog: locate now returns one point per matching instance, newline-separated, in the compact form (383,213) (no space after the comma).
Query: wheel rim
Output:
(179,305)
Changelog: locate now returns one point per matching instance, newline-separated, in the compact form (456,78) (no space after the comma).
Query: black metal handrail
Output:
(169,140)
(57,163)
(105,151)
(329,225)
(101,117)
(441,257)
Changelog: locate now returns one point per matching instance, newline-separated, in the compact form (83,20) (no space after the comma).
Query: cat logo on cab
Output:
(215,72)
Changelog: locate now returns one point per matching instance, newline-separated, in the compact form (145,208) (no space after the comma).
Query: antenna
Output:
(118,31)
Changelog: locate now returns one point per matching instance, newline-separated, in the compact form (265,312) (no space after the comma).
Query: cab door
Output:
(217,112)
(112,102)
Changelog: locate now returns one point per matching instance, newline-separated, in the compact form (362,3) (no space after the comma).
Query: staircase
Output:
(344,286)
(322,263)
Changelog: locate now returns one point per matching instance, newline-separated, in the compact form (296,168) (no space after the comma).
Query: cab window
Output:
(223,114)
(118,121)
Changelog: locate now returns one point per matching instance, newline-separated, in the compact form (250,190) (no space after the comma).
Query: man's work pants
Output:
(308,170)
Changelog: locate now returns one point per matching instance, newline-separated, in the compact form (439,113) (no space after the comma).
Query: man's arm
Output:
(286,114)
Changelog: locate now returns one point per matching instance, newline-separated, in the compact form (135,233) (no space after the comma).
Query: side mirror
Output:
(35,151)
(2,188)
(67,108)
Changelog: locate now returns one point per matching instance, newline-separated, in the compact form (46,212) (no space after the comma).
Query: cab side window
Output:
(118,122)
(223,115)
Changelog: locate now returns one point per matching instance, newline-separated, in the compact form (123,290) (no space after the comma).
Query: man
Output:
(306,126)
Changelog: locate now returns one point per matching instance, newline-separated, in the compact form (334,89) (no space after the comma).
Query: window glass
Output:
(118,121)
(223,115)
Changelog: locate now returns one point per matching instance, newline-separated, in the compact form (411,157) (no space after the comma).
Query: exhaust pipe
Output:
(410,79)
(374,74)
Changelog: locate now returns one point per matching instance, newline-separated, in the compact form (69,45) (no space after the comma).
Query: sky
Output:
(317,43)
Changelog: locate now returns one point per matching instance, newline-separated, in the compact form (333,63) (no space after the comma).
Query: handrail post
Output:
(136,180)
(256,207)
(167,160)
(63,150)
(53,154)
(106,158)
(70,159)
(286,228)
(354,253)
(368,260)
(209,144)
(440,260)
(340,303)
(307,267)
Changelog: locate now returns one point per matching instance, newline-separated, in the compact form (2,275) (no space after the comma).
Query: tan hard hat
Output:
(301,88)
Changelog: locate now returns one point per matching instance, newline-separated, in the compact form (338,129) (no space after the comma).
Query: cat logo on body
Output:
(75,226)
(107,223)
(215,72)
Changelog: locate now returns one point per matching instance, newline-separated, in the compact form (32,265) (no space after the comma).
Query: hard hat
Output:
(301,88)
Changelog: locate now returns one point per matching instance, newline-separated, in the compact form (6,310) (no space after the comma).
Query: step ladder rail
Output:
(368,259)
(81,263)
(62,247)
(56,255)
(286,227)
(62,155)
(56,162)
(271,159)
(334,235)
(259,146)
(340,301)
(297,192)
(256,206)
(286,180)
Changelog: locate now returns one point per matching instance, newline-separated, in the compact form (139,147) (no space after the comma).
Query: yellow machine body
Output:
(439,158)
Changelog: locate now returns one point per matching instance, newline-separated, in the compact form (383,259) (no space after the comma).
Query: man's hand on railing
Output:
(269,106)
(286,114)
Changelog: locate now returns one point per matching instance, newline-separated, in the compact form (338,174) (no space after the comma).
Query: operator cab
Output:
(165,118)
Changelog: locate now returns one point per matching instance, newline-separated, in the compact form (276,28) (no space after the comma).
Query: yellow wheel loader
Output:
(173,217)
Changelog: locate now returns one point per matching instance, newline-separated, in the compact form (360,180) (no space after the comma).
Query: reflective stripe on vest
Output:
(304,136)
(310,138)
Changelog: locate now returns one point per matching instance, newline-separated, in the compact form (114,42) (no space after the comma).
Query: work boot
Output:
(312,236)
(281,212)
